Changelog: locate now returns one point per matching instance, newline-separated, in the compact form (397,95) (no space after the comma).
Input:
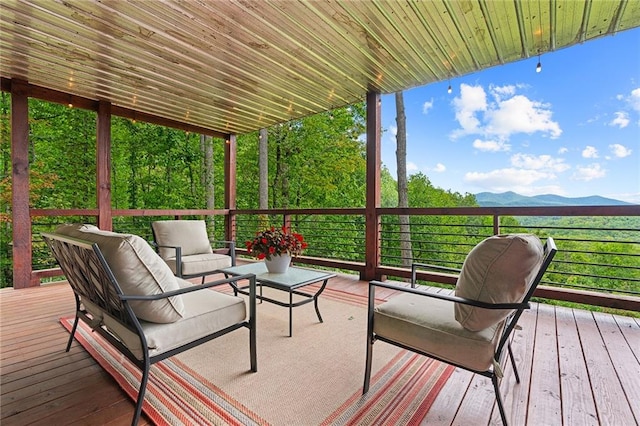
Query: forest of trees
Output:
(315,162)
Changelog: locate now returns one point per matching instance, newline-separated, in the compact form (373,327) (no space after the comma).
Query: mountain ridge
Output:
(512,199)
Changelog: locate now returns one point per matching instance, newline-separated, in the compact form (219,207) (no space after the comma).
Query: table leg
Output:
(315,299)
(290,313)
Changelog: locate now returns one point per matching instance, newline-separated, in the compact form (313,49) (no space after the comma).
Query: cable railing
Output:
(590,258)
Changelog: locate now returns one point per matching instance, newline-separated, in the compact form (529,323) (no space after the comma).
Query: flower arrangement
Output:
(275,242)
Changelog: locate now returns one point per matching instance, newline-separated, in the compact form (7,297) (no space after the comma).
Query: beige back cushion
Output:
(138,270)
(191,235)
(498,270)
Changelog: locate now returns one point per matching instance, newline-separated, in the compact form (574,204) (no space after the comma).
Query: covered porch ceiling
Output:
(238,66)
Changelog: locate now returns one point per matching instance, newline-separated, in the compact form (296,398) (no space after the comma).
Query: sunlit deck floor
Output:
(577,368)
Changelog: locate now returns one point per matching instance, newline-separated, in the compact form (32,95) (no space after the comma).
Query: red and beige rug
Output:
(312,378)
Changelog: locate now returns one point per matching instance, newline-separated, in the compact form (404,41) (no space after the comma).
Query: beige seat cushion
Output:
(198,264)
(206,312)
(191,235)
(429,325)
(498,270)
(138,270)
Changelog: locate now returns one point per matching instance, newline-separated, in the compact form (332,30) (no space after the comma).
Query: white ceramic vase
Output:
(278,264)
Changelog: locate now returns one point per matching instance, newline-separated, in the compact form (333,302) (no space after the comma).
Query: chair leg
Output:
(496,387)
(513,362)
(141,392)
(253,326)
(252,348)
(75,322)
(370,338)
(73,332)
(367,365)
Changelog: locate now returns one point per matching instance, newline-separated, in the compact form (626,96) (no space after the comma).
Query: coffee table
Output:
(290,281)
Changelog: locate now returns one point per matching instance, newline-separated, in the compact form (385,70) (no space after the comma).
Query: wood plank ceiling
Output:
(237,66)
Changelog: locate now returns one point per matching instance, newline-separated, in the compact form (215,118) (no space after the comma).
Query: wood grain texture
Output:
(575,367)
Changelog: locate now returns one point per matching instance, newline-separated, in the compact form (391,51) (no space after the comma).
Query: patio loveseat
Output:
(125,292)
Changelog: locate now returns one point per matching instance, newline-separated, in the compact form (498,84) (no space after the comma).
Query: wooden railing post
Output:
(372,220)
(20,185)
(103,166)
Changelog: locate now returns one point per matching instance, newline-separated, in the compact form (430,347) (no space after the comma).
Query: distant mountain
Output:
(511,199)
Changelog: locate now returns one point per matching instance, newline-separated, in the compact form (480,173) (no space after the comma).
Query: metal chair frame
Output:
(91,279)
(510,322)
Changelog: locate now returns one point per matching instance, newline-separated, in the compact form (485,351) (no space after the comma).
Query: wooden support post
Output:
(230,185)
(372,221)
(20,185)
(103,166)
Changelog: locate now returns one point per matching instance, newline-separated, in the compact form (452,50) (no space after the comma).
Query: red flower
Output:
(275,242)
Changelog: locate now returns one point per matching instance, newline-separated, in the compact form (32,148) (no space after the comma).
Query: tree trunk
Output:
(280,191)
(263,160)
(206,142)
(403,200)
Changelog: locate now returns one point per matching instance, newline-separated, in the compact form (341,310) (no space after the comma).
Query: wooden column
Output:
(372,221)
(20,185)
(103,166)
(230,185)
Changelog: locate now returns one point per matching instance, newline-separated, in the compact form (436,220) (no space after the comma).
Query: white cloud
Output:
(439,168)
(520,180)
(539,162)
(620,151)
(499,92)
(563,150)
(412,167)
(630,197)
(526,171)
(634,99)
(472,99)
(427,106)
(621,120)
(491,146)
(519,114)
(506,178)
(507,115)
(587,173)
(393,129)
(590,152)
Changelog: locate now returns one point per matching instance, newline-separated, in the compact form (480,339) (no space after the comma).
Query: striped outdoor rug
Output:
(312,378)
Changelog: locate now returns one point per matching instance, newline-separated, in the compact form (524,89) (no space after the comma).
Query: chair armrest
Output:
(231,247)
(178,250)
(450,298)
(159,296)
(425,266)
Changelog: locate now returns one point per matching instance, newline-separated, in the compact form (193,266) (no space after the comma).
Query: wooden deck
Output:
(577,368)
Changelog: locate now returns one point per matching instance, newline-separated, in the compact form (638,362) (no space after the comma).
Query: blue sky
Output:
(572,130)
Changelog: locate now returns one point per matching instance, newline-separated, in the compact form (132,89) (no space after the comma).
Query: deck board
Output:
(576,368)
(623,360)
(544,399)
(574,378)
(611,401)
(516,396)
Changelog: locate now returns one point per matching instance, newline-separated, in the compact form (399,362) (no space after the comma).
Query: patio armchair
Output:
(128,295)
(470,329)
(185,246)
